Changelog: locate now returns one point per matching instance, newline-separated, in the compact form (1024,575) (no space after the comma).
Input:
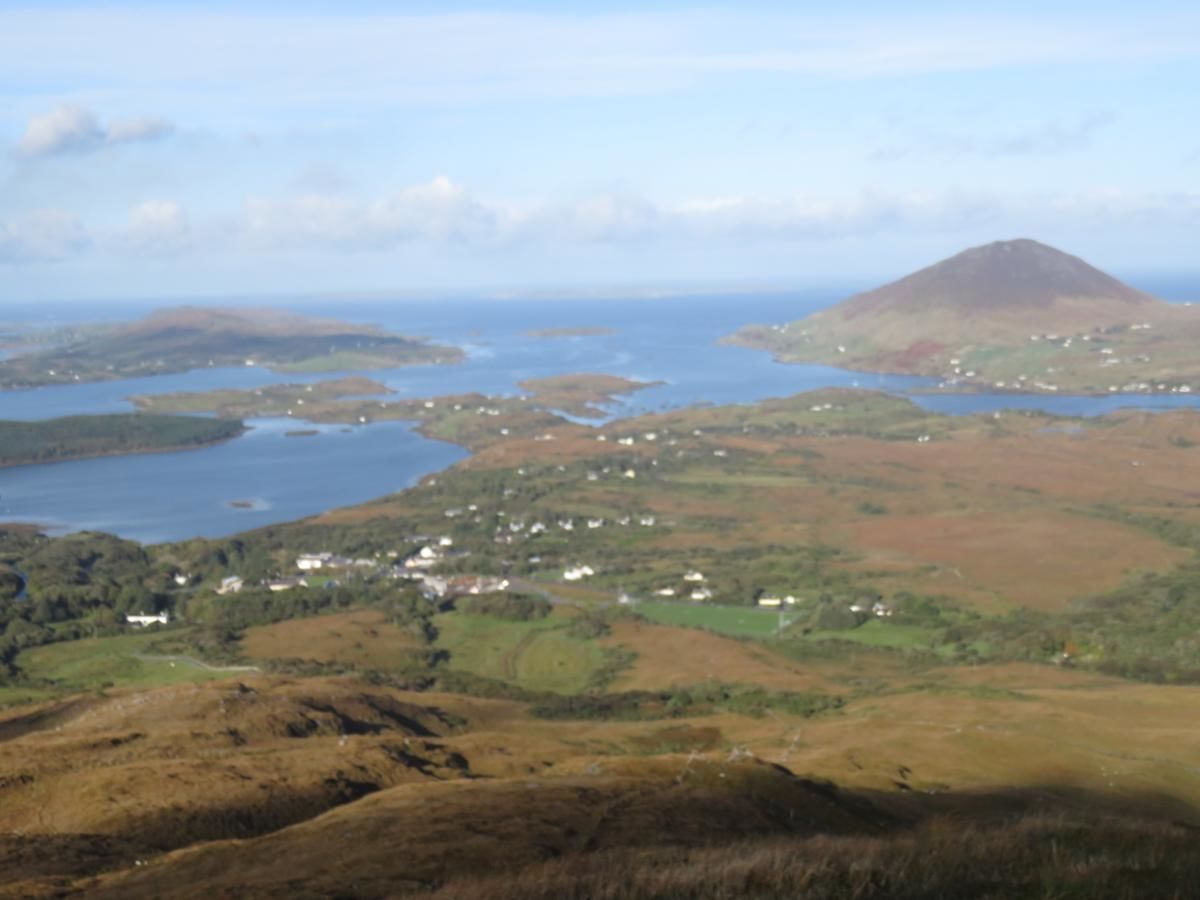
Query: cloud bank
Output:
(71,128)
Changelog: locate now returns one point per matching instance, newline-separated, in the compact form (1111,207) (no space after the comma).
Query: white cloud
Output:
(67,129)
(46,235)
(71,128)
(438,210)
(158,227)
(442,212)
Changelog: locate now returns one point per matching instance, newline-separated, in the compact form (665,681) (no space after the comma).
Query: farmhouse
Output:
(308,562)
(575,573)
(286,584)
(475,584)
(142,620)
(230,585)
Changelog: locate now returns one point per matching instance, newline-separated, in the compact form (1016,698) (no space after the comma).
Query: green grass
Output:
(537,655)
(19,696)
(107,662)
(733,620)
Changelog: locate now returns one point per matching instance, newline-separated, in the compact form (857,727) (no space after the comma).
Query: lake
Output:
(171,496)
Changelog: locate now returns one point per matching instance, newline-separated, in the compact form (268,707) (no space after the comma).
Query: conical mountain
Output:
(1021,276)
(1007,314)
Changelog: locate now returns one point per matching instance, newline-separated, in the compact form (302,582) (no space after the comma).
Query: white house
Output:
(285,584)
(576,573)
(230,585)
(142,620)
(770,601)
(308,562)
(693,576)
(182,579)
(701,593)
(665,592)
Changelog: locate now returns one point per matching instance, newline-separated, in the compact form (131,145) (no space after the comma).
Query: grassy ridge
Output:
(77,437)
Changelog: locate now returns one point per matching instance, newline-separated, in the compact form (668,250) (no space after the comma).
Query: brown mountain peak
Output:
(1004,275)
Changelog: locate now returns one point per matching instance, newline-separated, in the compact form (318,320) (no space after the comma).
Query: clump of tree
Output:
(76,437)
(504,605)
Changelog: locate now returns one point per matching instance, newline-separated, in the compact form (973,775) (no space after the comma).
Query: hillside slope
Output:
(1011,315)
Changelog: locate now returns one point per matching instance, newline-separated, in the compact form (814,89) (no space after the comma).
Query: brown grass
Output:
(669,656)
(1034,857)
(1035,558)
(359,638)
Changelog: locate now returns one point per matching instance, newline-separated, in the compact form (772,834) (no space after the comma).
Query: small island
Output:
(187,338)
(568,331)
(470,420)
(80,437)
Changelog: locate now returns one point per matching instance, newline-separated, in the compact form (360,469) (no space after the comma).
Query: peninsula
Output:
(79,437)
(1013,316)
(185,338)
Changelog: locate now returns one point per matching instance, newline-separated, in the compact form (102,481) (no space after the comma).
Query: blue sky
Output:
(180,149)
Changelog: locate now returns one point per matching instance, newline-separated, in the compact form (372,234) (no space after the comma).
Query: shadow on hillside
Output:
(751,830)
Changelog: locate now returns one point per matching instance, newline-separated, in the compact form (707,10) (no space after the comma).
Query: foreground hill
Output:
(319,787)
(175,340)
(1011,314)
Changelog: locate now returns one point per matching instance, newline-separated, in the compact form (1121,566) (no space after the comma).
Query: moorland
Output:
(927,656)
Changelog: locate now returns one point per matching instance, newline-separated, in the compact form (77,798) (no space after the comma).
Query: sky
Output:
(201,149)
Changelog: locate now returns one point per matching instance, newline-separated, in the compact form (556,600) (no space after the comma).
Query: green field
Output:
(538,655)
(108,662)
(739,621)
(19,696)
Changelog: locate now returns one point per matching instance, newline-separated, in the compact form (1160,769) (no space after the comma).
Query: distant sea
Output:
(172,496)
